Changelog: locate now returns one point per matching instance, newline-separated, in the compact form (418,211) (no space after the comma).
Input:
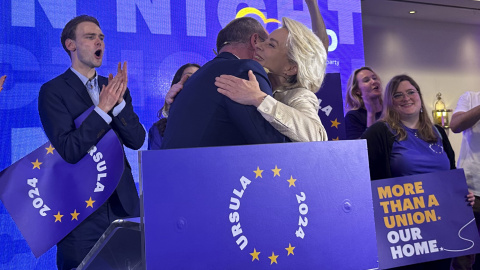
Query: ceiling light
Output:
(413,11)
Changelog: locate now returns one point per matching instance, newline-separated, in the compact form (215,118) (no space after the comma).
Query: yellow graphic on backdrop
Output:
(249,10)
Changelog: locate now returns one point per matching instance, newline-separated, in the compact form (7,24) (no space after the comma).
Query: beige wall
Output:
(440,57)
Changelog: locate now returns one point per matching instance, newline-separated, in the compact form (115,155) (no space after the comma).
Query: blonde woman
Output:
(296,60)
(363,102)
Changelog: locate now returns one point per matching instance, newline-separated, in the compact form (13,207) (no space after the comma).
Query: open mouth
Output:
(258,58)
(98,53)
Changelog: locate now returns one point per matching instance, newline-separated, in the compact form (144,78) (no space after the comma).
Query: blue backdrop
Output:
(155,37)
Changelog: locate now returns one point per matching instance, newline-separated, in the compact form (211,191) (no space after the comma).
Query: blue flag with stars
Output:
(285,206)
(48,197)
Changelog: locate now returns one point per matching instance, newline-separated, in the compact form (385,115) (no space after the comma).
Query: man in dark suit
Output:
(200,116)
(66,97)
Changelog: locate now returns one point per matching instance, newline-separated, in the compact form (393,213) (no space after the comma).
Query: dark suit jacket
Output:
(61,101)
(200,116)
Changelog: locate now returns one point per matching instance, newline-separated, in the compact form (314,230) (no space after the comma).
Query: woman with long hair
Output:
(363,101)
(405,142)
(155,133)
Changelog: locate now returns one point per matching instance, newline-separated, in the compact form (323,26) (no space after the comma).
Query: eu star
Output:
(75,215)
(36,164)
(291,181)
(276,171)
(50,149)
(58,217)
(255,255)
(258,172)
(90,202)
(273,258)
(290,249)
(335,123)
(335,139)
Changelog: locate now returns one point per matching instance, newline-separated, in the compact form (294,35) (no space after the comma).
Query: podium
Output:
(286,206)
(119,248)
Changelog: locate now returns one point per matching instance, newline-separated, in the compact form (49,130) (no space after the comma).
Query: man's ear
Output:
(254,39)
(70,44)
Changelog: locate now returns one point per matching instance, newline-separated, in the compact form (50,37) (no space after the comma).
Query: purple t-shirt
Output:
(416,156)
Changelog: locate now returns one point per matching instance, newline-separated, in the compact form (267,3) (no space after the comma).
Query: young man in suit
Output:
(200,116)
(62,100)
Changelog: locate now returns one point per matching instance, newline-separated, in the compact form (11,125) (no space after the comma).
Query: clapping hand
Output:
(112,94)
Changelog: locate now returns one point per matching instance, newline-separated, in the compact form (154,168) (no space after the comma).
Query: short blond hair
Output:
(307,51)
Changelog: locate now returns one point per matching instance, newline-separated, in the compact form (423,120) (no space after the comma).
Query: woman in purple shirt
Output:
(405,142)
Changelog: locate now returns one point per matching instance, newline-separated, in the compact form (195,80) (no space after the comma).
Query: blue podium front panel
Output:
(292,206)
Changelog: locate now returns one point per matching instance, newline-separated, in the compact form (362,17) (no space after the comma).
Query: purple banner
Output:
(48,197)
(286,206)
(423,218)
(331,107)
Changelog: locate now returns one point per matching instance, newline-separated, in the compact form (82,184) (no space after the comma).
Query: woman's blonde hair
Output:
(306,51)
(354,100)
(392,117)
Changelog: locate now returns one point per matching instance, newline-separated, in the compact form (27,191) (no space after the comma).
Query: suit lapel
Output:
(76,84)
(101,82)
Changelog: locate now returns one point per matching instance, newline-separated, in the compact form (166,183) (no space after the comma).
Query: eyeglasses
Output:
(400,96)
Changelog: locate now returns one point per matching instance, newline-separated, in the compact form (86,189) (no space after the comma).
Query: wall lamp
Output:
(440,112)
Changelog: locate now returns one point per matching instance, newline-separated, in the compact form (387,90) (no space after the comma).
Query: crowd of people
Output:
(401,138)
(260,88)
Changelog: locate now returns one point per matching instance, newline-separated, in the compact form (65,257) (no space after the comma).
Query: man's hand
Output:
(471,198)
(110,94)
(125,80)
(2,80)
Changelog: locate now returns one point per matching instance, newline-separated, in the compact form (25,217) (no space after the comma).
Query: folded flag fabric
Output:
(48,197)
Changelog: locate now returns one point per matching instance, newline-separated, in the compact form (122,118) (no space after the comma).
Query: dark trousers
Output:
(466,262)
(75,246)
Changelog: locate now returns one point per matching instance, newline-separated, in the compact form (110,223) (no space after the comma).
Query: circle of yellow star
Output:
(36,164)
(276,171)
(273,258)
(50,149)
(335,123)
(75,215)
(58,217)
(255,255)
(258,172)
(290,249)
(291,181)
(90,202)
